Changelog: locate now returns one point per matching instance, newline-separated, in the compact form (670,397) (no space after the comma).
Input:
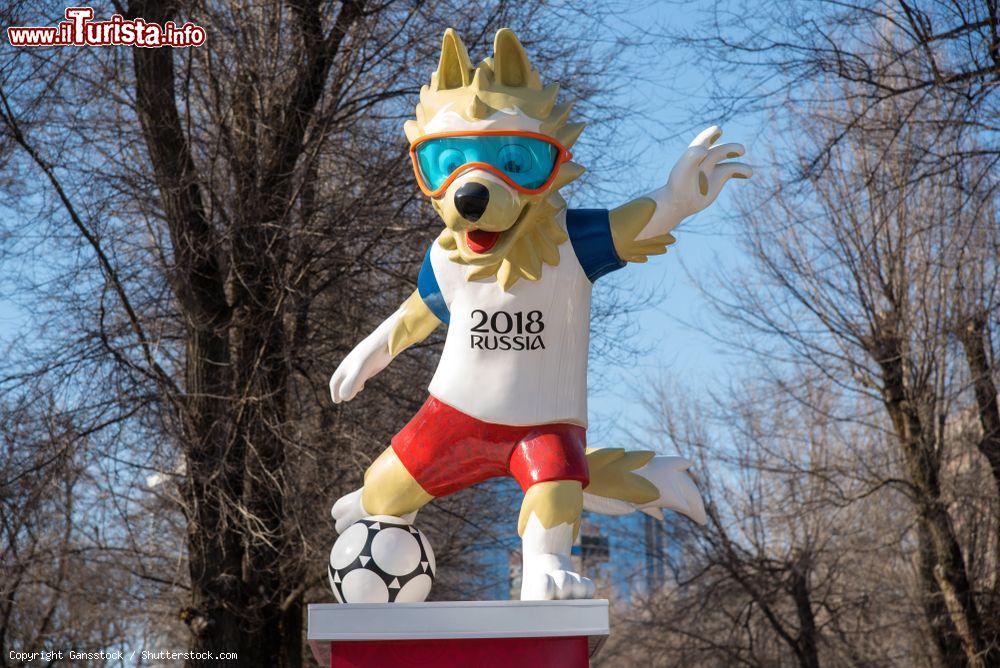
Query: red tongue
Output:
(481,241)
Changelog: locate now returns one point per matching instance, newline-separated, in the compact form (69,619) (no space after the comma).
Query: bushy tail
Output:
(622,481)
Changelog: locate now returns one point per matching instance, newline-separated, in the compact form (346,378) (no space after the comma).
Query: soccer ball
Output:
(381,559)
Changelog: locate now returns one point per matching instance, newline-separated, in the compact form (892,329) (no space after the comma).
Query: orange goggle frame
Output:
(563,155)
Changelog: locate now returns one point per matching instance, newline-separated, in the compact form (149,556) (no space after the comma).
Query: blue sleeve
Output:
(430,292)
(590,233)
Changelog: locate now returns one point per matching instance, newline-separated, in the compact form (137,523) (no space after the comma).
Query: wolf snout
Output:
(471,200)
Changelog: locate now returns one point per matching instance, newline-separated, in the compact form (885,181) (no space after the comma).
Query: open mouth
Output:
(480,241)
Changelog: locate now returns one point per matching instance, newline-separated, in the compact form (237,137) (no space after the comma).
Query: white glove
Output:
(367,359)
(695,181)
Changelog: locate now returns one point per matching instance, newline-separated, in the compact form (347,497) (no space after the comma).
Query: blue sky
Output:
(669,331)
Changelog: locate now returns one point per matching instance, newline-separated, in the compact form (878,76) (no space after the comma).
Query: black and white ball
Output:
(381,559)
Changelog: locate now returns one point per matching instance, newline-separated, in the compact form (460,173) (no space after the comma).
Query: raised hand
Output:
(698,176)
(642,227)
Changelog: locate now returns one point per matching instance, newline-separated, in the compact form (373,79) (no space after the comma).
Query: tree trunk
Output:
(214,460)
(261,383)
(809,653)
(948,575)
(943,636)
(974,337)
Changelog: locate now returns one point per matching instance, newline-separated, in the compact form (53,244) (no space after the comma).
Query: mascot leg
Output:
(389,489)
(548,524)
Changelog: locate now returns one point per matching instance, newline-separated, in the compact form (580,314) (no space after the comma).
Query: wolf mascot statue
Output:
(511,276)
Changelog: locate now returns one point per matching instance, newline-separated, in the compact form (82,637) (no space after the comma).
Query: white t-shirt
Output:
(519,357)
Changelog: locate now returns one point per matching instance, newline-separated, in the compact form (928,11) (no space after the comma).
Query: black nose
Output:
(471,200)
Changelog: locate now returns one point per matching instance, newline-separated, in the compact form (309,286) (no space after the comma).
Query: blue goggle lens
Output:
(527,161)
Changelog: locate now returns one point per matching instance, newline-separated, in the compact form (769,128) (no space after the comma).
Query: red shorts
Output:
(446,450)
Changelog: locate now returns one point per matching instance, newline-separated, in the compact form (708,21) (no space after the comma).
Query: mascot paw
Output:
(547,577)
(348,510)
(556,585)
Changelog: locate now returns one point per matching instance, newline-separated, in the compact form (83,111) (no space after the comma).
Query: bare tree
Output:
(801,563)
(50,571)
(857,279)
(873,247)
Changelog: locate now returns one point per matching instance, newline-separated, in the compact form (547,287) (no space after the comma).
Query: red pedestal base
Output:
(443,634)
(569,652)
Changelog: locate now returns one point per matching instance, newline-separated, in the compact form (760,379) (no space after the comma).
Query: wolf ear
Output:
(510,62)
(454,68)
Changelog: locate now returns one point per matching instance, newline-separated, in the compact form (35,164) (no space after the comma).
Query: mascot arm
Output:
(412,322)
(642,227)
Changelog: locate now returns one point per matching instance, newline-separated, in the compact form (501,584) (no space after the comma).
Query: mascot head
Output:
(490,147)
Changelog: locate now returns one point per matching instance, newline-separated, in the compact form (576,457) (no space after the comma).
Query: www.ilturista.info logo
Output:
(80,30)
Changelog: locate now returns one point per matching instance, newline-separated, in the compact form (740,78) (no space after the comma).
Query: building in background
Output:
(630,553)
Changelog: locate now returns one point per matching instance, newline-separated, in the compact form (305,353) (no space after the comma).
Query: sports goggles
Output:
(526,161)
